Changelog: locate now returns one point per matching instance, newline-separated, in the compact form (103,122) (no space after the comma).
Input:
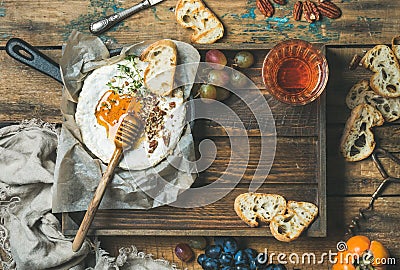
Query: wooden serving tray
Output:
(298,172)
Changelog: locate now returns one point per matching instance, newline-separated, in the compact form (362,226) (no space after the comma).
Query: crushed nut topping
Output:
(154,124)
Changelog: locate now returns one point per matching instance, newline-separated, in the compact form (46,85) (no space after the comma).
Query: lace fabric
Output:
(6,202)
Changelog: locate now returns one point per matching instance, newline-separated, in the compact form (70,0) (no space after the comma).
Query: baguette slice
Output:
(396,47)
(250,206)
(358,142)
(386,80)
(288,227)
(306,210)
(362,93)
(160,72)
(195,15)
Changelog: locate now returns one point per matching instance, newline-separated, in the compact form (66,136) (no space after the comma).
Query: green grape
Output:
(244,59)
(238,80)
(218,77)
(208,93)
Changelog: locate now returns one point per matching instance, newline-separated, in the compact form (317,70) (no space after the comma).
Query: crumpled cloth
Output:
(30,235)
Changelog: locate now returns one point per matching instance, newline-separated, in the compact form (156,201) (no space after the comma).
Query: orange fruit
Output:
(339,266)
(344,257)
(380,253)
(358,244)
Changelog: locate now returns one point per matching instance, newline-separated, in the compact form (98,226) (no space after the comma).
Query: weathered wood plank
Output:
(295,161)
(40,96)
(386,136)
(47,22)
(26,93)
(340,212)
(218,218)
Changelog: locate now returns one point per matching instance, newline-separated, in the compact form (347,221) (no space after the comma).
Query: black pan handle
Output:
(29,55)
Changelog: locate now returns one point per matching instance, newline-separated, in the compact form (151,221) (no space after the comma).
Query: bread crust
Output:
(382,60)
(350,130)
(195,21)
(146,57)
(252,200)
(239,212)
(274,227)
(396,46)
(164,42)
(281,213)
(292,221)
(362,93)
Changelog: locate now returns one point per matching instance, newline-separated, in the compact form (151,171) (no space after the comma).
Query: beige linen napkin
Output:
(30,235)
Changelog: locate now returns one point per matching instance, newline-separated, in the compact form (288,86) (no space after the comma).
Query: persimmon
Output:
(358,244)
(340,266)
(359,247)
(344,257)
(344,261)
(379,252)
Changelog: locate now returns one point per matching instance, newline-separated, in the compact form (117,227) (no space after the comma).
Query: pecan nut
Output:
(265,7)
(280,2)
(329,9)
(297,10)
(310,11)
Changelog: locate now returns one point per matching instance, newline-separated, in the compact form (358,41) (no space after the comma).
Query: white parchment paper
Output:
(78,172)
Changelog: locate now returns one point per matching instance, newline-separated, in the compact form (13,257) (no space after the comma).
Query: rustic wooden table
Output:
(25,94)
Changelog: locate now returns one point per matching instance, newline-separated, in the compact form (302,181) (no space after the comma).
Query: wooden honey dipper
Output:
(128,132)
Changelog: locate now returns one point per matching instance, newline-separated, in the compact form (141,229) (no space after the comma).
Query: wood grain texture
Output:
(46,22)
(340,212)
(218,218)
(40,98)
(24,94)
(300,158)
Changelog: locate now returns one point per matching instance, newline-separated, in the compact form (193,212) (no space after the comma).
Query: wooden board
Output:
(298,172)
(340,212)
(349,185)
(49,22)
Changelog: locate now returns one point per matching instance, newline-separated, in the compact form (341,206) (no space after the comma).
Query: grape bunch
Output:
(225,255)
(218,76)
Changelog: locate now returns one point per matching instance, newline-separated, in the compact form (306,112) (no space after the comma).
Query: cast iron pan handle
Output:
(29,55)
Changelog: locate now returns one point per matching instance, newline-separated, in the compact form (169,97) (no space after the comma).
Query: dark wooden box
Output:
(298,172)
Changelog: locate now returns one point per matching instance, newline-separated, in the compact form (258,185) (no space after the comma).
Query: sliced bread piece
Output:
(288,227)
(195,15)
(160,72)
(252,206)
(357,141)
(382,61)
(362,93)
(396,46)
(306,210)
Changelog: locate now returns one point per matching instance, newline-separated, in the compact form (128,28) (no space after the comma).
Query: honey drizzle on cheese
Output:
(112,108)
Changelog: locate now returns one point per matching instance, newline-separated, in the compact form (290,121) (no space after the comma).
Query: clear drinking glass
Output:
(295,72)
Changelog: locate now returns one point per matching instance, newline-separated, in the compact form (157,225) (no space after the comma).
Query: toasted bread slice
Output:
(160,72)
(288,227)
(195,15)
(252,206)
(396,47)
(358,142)
(306,210)
(362,93)
(386,80)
